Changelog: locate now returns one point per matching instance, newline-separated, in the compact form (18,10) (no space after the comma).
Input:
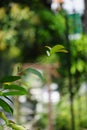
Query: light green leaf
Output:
(5,106)
(0,93)
(3,116)
(16,127)
(58,48)
(80,66)
(48,47)
(62,50)
(9,79)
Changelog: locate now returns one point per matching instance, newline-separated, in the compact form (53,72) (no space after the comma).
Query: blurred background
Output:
(26,27)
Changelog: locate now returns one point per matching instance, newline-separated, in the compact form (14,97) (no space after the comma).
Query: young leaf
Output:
(7,79)
(5,106)
(48,47)
(58,48)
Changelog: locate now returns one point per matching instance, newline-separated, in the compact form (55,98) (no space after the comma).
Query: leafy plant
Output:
(56,48)
(10,86)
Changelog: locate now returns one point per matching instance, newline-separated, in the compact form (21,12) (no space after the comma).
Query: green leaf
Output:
(8,99)
(5,106)
(36,72)
(58,48)
(62,50)
(13,93)
(0,93)
(13,90)
(15,87)
(48,47)
(9,79)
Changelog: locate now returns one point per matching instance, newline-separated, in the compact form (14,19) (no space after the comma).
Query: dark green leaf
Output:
(13,93)
(9,79)
(8,99)
(5,106)
(36,72)
(15,87)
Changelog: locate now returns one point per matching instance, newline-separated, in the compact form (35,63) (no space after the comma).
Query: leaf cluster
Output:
(10,87)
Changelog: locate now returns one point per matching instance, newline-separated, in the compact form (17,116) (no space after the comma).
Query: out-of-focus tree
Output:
(16,32)
(24,31)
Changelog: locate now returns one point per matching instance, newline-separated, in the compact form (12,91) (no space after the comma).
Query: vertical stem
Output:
(79,110)
(79,99)
(69,74)
(17,109)
(16,98)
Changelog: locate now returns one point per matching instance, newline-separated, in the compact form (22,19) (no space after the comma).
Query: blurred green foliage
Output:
(25,28)
(24,32)
(79,53)
(78,48)
(62,116)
